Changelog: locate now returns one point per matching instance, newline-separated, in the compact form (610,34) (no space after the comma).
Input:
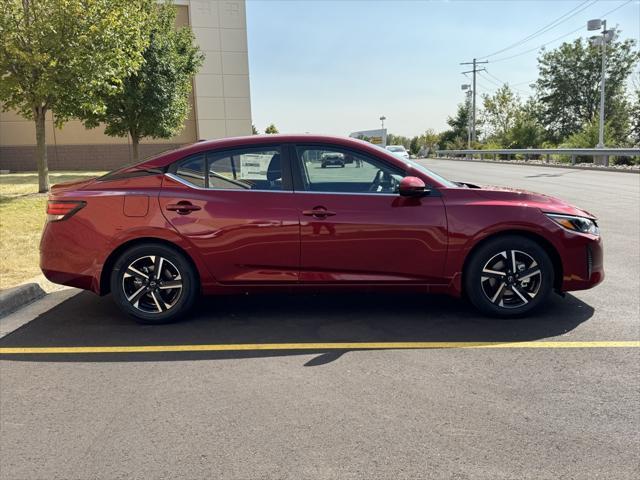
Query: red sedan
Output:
(261,214)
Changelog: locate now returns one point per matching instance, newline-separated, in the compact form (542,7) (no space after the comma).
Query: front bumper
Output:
(583,262)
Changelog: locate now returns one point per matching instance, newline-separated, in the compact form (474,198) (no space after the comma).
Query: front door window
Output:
(336,170)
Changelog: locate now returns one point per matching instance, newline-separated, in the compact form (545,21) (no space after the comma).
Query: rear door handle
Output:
(183,208)
(318,212)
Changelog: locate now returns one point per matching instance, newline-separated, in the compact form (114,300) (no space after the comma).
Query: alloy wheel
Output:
(511,279)
(152,284)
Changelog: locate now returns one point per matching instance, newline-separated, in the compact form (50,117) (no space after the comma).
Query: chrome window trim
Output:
(195,187)
(181,180)
(351,193)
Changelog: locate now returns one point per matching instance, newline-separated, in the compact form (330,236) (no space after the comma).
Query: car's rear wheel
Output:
(508,276)
(153,283)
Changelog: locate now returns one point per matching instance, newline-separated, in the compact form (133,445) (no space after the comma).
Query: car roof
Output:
(165,158)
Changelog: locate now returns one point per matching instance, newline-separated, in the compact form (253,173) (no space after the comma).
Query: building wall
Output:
(220,101)
(223,106)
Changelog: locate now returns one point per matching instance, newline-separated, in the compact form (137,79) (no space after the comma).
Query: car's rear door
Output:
(355,227)
(235,207)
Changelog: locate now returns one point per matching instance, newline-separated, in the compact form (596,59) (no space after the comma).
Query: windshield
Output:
(432,174)
(395,149)
(423,169)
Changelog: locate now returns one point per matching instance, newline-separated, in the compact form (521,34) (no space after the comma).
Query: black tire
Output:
(504,294)
(173,303)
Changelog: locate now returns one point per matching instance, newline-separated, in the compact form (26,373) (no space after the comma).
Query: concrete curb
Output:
(14,298)
(13,321)
(532,164)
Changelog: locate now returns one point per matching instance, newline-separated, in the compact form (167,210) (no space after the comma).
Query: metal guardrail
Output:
(600,155)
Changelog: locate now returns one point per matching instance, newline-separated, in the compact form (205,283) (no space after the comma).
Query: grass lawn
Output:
(22,215)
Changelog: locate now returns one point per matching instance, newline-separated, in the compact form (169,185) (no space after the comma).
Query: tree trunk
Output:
(41,150)
(135,142)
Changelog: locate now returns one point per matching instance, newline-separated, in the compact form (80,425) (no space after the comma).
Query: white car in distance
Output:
(398,150)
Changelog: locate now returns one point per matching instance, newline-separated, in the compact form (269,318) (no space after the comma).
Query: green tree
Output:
(526,132)
(62,56)
(414,146)
(456,137)
(254,130)
(398,140)
(271,129)
(587,137)
(500,113)
(568,86)
(154,100)
(430,140)
(635,118)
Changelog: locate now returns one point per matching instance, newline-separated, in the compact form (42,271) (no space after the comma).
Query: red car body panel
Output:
(250,240)
(372,238)
(243,236)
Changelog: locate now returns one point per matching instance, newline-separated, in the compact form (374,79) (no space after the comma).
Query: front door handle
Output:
(183,208)
(318,212)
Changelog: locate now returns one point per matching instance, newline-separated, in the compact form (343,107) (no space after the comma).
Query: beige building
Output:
(221,105)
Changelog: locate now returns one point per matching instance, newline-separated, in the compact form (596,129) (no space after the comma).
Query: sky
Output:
(334,67)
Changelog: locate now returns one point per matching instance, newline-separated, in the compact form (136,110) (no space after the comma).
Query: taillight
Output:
(61,209)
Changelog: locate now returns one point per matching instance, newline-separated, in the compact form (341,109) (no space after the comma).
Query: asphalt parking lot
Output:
(387,413)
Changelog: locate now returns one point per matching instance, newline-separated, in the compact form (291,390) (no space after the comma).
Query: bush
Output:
(625,160)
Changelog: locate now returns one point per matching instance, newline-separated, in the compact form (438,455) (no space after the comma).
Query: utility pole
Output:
(475,64)
(467,87)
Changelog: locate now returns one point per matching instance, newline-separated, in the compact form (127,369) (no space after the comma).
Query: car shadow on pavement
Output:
(86,320)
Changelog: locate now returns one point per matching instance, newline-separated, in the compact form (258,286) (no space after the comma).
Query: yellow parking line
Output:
(311,346)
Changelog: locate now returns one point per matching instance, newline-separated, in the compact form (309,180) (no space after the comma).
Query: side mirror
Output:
(412,187)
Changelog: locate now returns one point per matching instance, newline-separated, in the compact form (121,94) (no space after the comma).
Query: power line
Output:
(502,82)
(528,82)
(486,72)
(563,18)
(557,38)
(538,47)
(493,82)
(482,86)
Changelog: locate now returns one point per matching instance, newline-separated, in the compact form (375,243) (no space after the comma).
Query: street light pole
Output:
(607,36)
(604,66)
(471,119)
(382,119)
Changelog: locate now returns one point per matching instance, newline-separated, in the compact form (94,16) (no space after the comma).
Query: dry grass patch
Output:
(22,216)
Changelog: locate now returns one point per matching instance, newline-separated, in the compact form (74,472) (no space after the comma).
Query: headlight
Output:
(575,224)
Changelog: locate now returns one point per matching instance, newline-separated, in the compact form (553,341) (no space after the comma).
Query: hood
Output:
(546,203)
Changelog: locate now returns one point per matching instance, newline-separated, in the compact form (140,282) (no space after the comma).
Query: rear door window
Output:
(255,168)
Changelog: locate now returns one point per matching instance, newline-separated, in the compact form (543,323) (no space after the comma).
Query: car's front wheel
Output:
(153,283)
(508,276)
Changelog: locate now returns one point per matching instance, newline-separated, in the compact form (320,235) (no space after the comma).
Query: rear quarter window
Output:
(192,170)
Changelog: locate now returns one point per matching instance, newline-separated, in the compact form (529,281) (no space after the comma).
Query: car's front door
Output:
(236,208)
(355,227)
